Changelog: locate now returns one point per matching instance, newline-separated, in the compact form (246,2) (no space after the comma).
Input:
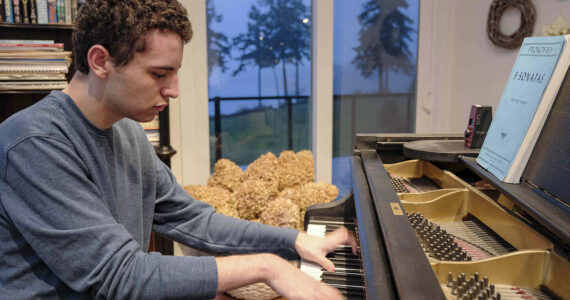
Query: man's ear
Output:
(99,61)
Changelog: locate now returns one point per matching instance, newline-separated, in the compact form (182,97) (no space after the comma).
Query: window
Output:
(259,77)
(374,78)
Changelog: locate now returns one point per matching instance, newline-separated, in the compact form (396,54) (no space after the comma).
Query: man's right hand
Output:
(279,274)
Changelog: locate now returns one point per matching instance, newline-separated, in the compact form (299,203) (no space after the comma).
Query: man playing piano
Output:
(81,187)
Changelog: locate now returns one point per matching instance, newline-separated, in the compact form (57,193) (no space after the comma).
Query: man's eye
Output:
(158,75)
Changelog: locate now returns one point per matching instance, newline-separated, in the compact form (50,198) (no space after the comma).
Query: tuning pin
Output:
(476,276)
(449,278)
(492,286)
(454,287)
(486,281)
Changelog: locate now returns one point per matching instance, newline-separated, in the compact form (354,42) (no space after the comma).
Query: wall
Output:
(459,66)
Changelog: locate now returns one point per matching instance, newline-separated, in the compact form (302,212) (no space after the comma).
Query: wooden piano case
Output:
(531,220)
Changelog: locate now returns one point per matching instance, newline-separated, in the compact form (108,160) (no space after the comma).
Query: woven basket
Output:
(256,291)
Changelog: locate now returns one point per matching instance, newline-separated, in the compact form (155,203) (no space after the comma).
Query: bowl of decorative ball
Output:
(272,190)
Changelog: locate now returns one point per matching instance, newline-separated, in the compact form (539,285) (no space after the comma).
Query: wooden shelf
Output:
(37,26)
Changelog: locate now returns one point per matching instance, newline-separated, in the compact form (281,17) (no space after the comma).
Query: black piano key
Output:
(343,273)
(350,265)
(329,229)
(349,294)
(342,255)
(345,259)
(355,289)
(351,282)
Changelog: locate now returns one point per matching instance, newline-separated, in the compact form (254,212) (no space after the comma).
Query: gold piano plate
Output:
(458,205)
(536,270)
(418,176)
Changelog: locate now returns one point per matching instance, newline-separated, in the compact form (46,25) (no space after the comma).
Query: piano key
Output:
(348,275)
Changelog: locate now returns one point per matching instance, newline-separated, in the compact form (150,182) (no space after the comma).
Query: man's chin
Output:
(143,119)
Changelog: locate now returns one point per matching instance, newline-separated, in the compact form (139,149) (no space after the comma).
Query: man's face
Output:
(144,86)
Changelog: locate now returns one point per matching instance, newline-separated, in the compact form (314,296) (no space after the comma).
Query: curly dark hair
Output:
(121,25)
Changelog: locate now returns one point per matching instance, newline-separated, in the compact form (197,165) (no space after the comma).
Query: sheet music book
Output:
(533,84)
(32,85)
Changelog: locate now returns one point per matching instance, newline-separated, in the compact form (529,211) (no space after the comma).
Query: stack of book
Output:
(39,11)
(151,130)
(33,65)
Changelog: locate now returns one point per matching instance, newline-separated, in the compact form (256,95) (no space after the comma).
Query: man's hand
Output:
(279,274)
(315,249)
(293,283)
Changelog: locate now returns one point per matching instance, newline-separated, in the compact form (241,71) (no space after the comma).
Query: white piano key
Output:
(317,230)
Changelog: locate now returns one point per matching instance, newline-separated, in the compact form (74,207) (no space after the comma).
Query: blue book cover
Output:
(521,97)
(8,16)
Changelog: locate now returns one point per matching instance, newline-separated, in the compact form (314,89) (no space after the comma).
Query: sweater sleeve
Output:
(51,200)
(196,224)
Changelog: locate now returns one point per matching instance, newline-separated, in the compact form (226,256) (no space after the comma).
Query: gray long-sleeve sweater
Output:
(77,205)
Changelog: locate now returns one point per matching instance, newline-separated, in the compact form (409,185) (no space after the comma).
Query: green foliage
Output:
(247,135)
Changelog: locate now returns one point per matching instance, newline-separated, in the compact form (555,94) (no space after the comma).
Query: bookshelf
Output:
(12,101)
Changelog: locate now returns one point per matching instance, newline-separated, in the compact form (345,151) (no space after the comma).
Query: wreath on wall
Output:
(528,17)
(391,35)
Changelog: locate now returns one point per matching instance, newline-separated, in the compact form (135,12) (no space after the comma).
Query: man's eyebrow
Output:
(166,68)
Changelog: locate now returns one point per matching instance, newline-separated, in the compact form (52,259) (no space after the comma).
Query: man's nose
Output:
(171,88)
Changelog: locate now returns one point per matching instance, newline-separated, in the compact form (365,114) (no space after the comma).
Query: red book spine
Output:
(52,11)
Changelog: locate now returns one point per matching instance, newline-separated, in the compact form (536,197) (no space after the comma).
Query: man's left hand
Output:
(315,249)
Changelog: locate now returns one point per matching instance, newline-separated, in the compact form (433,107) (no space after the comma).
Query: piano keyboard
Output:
(348,276)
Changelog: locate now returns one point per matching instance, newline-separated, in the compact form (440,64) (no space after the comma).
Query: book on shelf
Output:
(35,54)
(45,68)
(8,11)
(28,47)
(73,10)
(16,11)
(2,17)
(35,61)
(52,11)
(152,125)
(33,12)
(532,87)
(32,85)
(60,11)
(25,11)
(153,137)
(32,76)
(42,11)
(67,11)
(7,41)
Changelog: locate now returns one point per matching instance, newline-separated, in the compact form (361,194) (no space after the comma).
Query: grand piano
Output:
(448,229)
